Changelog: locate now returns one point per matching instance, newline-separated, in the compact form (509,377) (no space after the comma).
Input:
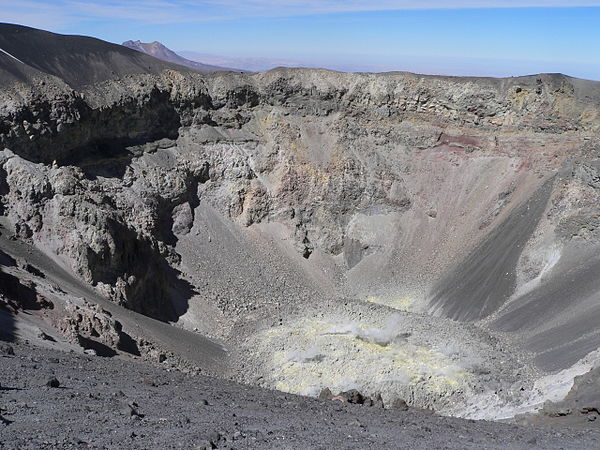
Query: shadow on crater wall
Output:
(148,284)
(7,318)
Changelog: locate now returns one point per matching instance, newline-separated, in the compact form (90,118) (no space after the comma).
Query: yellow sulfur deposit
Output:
(318,354)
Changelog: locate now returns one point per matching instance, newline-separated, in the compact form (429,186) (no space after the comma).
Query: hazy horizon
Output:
(455,37)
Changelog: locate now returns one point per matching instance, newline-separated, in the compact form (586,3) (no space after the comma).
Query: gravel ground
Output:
(117,403)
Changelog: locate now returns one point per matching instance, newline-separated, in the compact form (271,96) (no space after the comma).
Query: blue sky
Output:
(462,37)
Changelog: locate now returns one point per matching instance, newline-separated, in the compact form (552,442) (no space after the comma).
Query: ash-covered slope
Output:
(139,406)
(317,221)
(77,60)
(158,50)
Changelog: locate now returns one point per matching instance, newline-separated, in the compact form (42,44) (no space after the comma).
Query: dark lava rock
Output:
(53,383)
(353,396)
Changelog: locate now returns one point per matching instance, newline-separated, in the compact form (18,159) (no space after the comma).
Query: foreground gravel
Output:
(118,403)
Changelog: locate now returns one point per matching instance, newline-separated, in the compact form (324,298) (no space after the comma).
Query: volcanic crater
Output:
(425,238)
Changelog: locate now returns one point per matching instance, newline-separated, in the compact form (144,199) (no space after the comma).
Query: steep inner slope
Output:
(430,238)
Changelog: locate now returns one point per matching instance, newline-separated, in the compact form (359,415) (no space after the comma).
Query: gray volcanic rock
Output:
(89,229)
(82,323)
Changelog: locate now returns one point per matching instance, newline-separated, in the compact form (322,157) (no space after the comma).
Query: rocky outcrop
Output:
(112,239)
(88,324)
(69,130)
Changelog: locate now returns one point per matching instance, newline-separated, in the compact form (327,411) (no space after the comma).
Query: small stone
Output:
(53,383)
(90,351)
(326,394)
(4,420)
(215,438)
(43,336)
(6,349)
(204,445)
(378,401)
(590,409)
(559,412)
(400,404)
(353,396)
(130,411)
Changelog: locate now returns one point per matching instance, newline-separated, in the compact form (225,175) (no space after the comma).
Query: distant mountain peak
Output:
(160,51)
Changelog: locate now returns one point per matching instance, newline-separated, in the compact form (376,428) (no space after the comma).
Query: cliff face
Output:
(227,201)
